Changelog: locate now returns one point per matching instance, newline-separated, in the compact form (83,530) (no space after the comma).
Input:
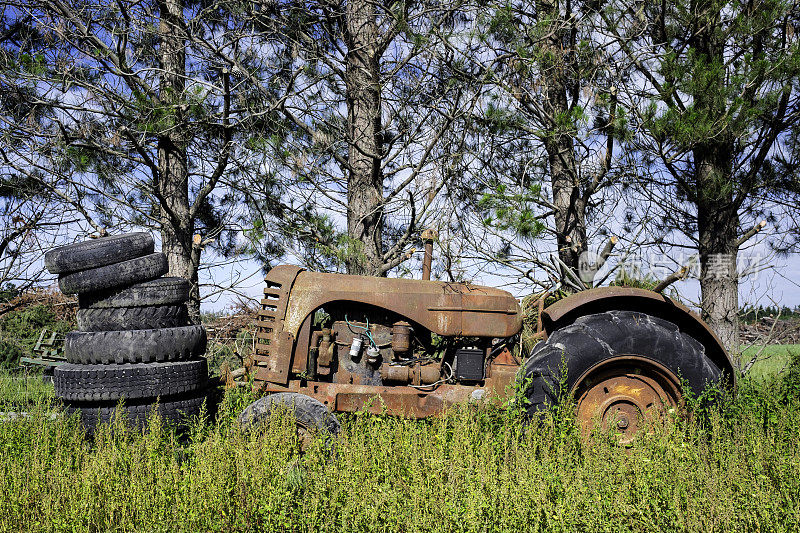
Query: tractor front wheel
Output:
(310,415)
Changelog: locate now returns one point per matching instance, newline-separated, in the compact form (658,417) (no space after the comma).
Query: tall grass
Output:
(19,390)
(735,467)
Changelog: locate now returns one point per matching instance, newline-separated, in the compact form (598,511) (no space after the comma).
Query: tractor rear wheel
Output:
(620,366)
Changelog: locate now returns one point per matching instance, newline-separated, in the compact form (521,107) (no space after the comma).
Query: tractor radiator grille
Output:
(270,317)
(273,343)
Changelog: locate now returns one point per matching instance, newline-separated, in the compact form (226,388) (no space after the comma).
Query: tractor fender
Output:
(602,299)
(447,309)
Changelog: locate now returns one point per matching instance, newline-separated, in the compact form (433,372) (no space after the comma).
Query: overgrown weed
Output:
(477,468)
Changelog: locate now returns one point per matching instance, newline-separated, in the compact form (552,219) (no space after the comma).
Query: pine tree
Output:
(545,136)
(714,100)
(124,113)
(367,143)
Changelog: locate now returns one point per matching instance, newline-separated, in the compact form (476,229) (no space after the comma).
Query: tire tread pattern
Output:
(98,252)
(113,382)
(172,409)
(160,291)
(127,318)
(307,410)
(597,337)
(134,346)
(117,275)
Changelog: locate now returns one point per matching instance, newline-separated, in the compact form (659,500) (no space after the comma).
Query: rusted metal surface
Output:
(390,401)
(302,346)
(448,309)
(274,366)
(500,379)
(506,358)
(603,299)
(397,399)
(625,392)
(401,338)
(428,236)
(395,373)
(326,348)
(539,311)
(418,374)
(273,345)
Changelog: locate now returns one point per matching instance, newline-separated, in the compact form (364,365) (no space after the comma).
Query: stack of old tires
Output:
(135,340)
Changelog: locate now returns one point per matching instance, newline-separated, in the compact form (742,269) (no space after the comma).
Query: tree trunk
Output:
(177,226)
(717,225)
(717,212)
(570,205)
(570,215)
(365,179)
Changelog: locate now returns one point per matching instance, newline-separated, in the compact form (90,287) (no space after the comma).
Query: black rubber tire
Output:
(117,275)
(161,291)
(174,410)
(134,346)
(98,252)
(143,380)
(598,337)
(125,318)
(309,412)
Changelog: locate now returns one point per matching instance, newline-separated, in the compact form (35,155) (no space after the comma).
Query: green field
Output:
(733,467)
(771,359)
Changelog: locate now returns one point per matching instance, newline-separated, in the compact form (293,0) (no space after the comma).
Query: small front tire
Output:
(310,415)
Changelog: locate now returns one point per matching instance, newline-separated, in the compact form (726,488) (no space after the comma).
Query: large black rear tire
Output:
(593,340)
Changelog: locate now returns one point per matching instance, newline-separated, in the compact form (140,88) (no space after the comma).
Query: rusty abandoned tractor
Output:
(346,343)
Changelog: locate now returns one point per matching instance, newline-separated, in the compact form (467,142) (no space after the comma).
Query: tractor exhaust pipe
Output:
(428,236)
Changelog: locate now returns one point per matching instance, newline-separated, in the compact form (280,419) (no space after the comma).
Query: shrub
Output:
(20,328)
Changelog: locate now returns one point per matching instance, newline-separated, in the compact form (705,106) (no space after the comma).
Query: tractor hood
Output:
(448,309)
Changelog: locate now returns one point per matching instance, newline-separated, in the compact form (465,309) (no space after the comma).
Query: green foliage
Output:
(475,469)
(74,121)
(628,278)
(35,64)
(27,322)
(791,379)
(501,120)
(231,353)
(10,352)
(346,250)
(530,316)
(19,330)
(625,278)
(752,314)
(8,292)
(769,360)
(732,77)
(507,209)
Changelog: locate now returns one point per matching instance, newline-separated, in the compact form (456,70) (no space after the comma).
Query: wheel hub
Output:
(624,392)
